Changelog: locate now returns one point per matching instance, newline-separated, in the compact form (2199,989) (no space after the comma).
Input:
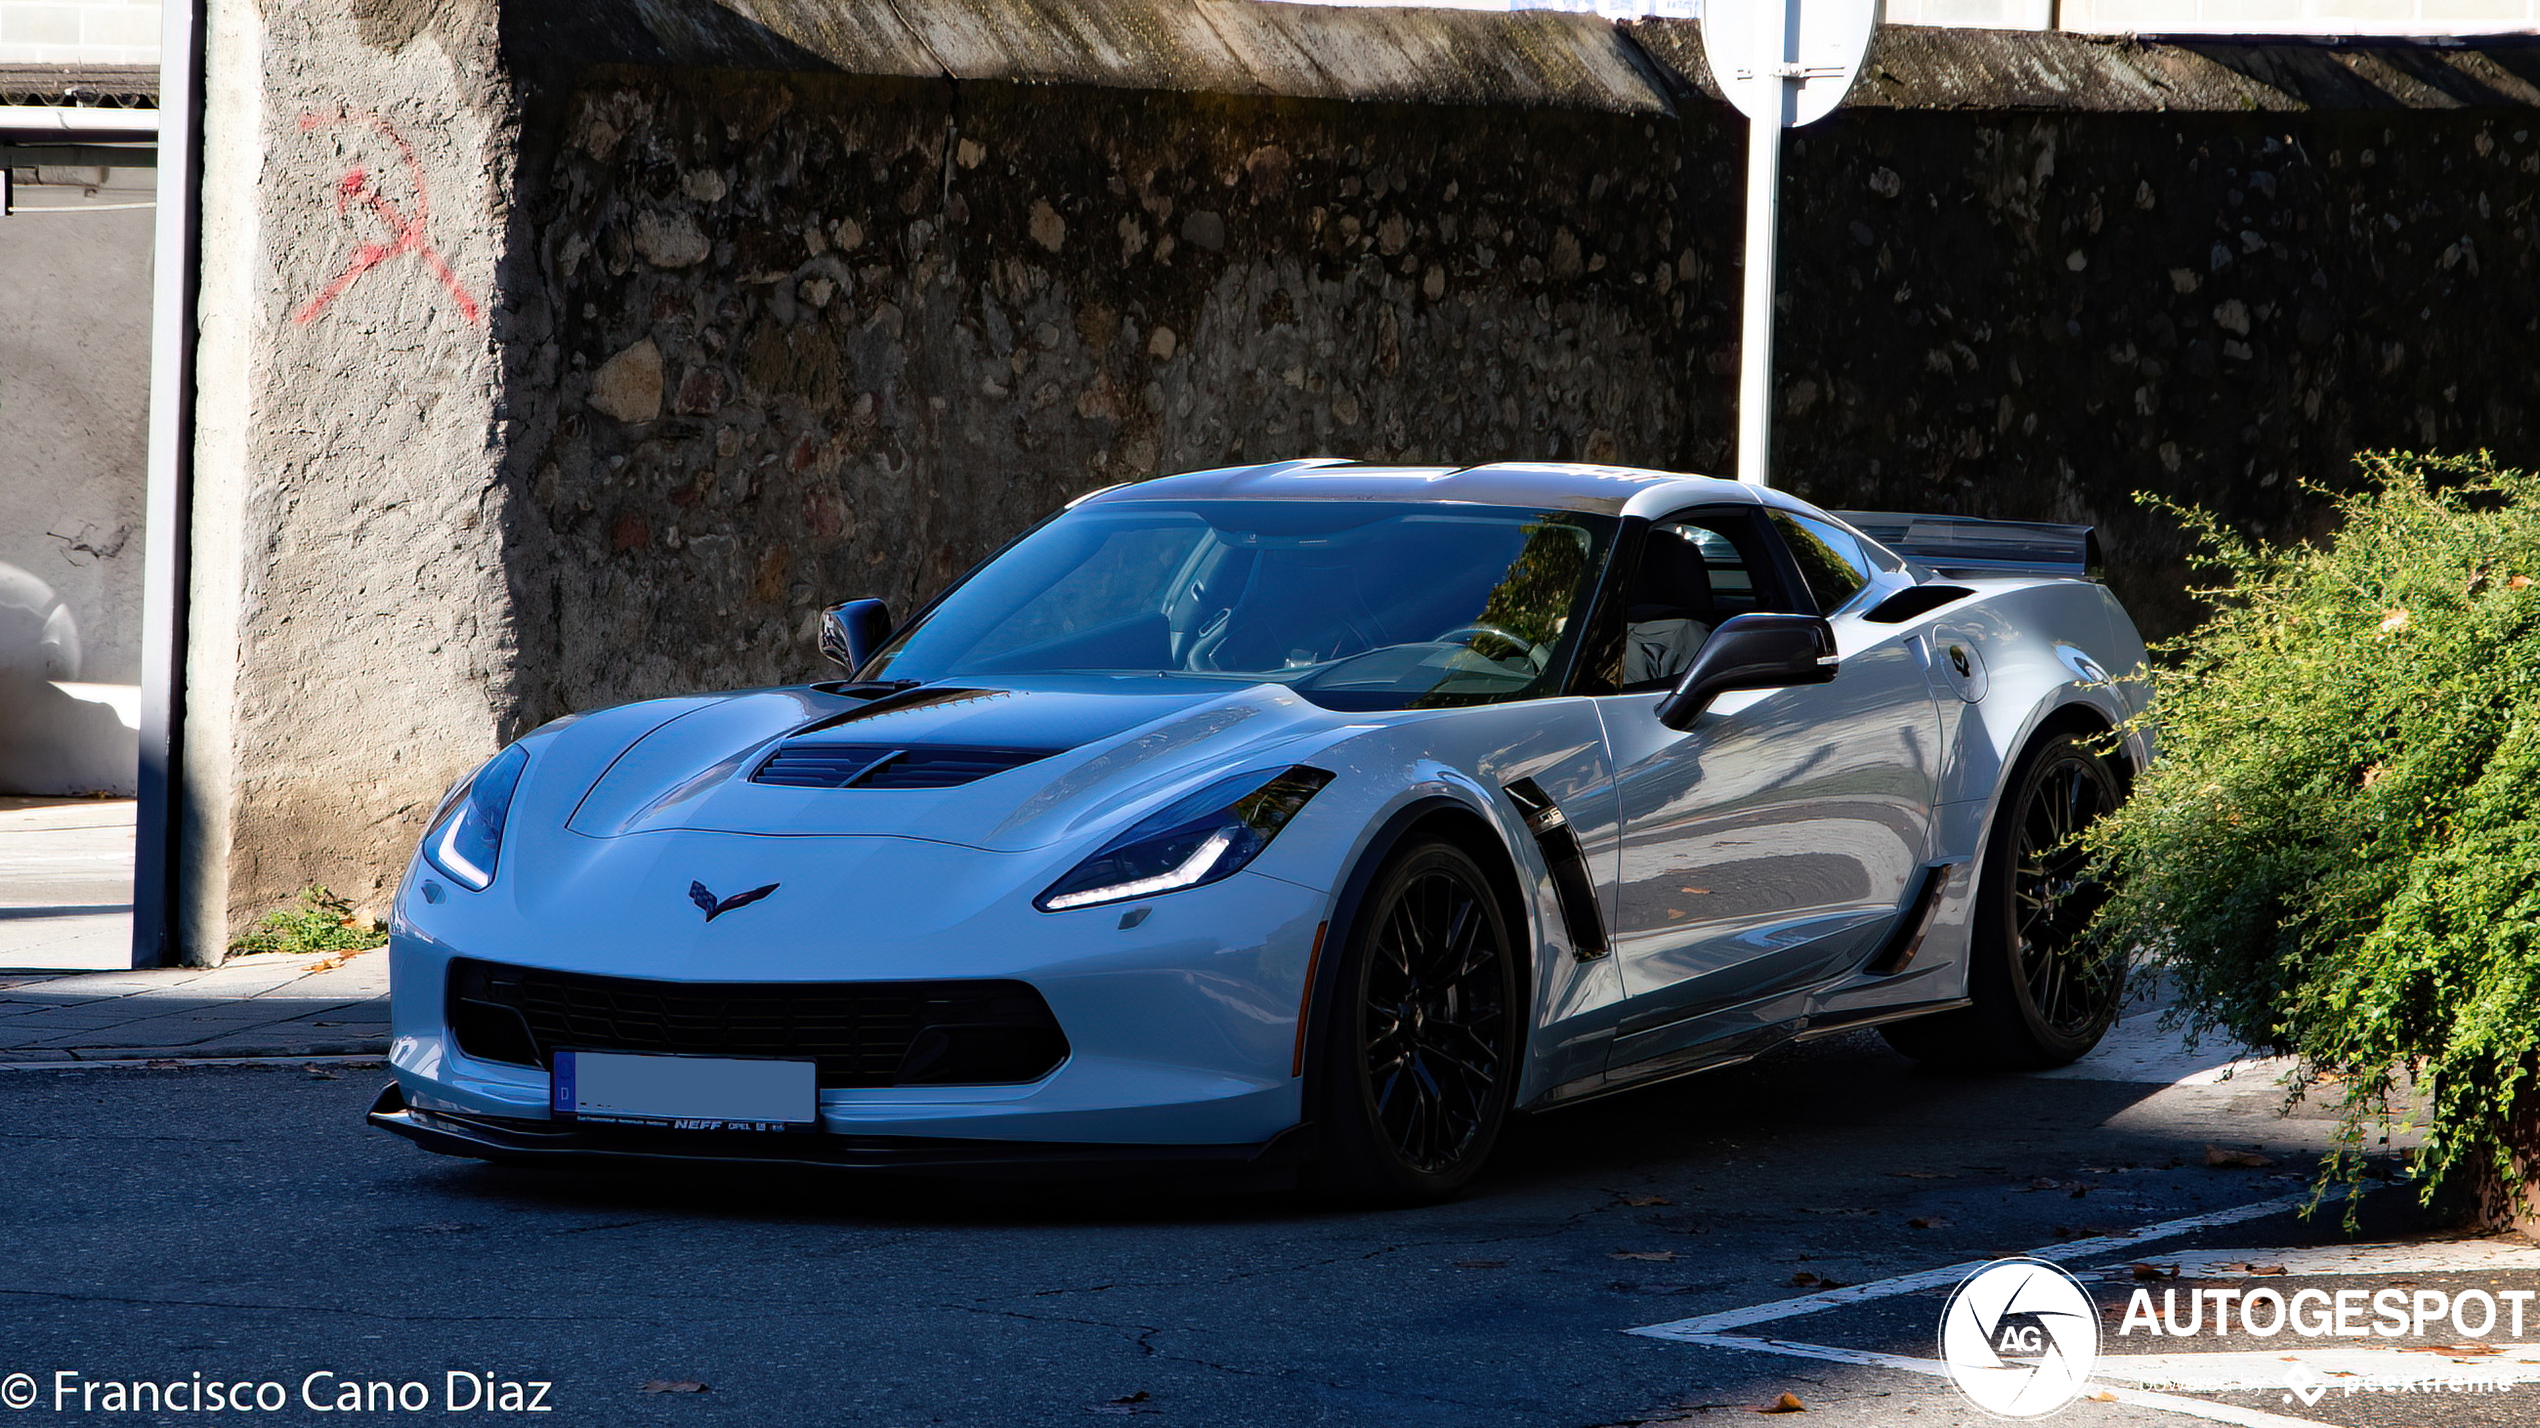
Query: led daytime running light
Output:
(1207,835)
(1193,868)
(445,852)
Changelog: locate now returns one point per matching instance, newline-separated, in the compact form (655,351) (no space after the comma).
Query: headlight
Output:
(1198,840)
(466,841)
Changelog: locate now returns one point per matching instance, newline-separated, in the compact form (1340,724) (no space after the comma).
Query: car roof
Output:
(1552,485)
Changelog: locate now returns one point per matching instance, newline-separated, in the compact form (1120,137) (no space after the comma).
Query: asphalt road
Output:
(245,1224)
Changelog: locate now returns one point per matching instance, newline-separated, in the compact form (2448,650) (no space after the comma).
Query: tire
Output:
(1419,1046)
(2043,996)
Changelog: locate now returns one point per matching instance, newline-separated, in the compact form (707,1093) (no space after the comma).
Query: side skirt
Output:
(1732,1048)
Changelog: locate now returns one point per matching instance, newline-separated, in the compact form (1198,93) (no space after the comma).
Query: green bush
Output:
(2337,852)
(322,922)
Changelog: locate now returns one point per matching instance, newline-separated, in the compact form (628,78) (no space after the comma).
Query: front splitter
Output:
(548,1142)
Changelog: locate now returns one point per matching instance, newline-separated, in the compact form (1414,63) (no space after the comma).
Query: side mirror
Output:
(852,632)
(1751,652)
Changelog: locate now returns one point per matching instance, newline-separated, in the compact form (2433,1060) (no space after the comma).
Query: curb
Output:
(143,1055)
(166,1063)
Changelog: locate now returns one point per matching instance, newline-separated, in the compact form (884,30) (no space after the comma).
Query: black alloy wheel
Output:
(1421,1038)
(2070,986)
(2044,993)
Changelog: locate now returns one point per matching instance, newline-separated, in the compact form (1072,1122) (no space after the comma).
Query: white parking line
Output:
(1707,1329)
(2425,1257)
(2236,1370)
(2140,1398)
(1940,1278)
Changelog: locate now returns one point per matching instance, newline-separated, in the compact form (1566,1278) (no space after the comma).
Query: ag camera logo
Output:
(2020,1337)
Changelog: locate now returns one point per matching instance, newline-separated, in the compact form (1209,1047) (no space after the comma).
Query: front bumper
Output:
(563,1144)
(1180,1023)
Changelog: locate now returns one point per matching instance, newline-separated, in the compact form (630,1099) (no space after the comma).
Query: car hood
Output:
(1090,748)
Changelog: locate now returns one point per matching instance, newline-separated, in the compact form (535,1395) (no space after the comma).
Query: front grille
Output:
(941,1033)
(815,763)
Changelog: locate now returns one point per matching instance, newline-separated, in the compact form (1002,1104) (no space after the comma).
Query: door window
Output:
(1690,576)
(1830,559)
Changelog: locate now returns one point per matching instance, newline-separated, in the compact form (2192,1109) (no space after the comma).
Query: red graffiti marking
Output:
(406,232)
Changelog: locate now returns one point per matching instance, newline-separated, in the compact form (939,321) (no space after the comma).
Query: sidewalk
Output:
(65,883)
(317,1004)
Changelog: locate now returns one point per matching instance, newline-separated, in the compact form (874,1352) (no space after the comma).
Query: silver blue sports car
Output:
(1311,815)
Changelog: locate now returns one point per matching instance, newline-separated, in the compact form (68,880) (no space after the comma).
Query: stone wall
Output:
(817,337)
(2043,315)
(744,316)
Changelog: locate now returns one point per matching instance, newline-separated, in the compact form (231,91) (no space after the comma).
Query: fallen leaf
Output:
(1803,1279)
(2458,1351)
(2102,1396)
(2519,582)
(2156,1271)
(1928,1222)
(2044,1183)
(2221,1157)
(1787,1403)
(673,1385)
(1653,1256)
(1697,892)
(2266,1269)
(1641,1202)
(2394,621)
(1481,1264)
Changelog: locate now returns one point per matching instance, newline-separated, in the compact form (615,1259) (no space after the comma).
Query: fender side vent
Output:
(816,763)
(1914,600)
(1567,862)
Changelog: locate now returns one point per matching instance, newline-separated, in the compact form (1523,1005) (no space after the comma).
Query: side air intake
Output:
(1566,860)
(816,763)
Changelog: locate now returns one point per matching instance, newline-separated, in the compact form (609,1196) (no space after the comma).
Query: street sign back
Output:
(1786,62)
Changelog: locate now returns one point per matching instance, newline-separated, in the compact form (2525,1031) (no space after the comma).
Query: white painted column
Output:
(1755,341)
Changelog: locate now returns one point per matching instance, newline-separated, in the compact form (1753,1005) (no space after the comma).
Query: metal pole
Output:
(168,531)
(1755,349)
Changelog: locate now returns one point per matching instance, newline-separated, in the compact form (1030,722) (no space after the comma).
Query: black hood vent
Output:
(816,763)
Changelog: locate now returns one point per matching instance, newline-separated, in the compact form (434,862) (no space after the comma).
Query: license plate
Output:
(686,1092)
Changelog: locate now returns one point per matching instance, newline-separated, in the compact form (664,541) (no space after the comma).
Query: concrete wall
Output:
(74,386)
(79,31)
(349,632)
(2287,17)
(744,316)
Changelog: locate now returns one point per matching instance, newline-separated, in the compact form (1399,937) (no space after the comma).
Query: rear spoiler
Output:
(1966,548)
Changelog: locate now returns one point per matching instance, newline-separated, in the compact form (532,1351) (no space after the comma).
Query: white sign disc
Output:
(1786,61)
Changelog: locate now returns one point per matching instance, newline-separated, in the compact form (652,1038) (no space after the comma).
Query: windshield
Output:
(1354,604)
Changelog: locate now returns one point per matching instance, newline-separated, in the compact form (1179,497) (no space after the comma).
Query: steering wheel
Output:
(1464,635)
